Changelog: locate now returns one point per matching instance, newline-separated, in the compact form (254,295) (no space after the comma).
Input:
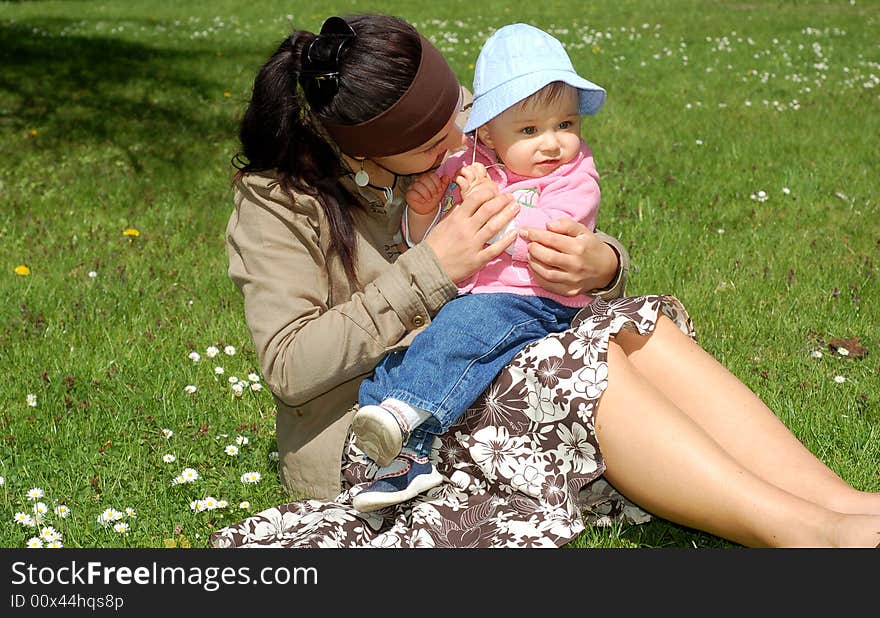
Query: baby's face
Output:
(536,138)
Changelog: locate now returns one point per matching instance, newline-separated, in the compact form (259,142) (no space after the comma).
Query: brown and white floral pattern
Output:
(523,465)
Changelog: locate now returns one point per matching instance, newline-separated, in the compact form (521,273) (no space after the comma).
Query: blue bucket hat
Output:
(516,62)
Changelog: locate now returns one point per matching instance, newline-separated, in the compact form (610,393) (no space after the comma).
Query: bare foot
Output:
(858,531)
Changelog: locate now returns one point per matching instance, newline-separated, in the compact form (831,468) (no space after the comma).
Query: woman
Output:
(337,123)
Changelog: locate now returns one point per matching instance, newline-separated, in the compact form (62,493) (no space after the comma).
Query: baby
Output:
(524,137)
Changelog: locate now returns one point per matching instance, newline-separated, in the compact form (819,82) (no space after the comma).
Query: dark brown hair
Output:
(281,128)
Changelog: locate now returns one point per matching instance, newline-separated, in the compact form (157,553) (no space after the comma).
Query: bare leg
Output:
(737,419)
(658,457)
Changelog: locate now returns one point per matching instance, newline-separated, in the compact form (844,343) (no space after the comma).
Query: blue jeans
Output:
(450,363)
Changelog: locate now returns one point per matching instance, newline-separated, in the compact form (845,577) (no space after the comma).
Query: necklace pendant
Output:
(362,179)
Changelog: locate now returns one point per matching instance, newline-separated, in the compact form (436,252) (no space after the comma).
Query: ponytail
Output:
(278,133)
(281,128)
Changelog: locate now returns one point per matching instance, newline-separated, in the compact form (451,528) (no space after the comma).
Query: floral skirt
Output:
(522,465)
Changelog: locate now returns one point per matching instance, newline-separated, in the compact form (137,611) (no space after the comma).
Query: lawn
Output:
(738,154)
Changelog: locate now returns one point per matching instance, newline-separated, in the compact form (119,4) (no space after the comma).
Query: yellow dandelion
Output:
(227,94)
(596,49)
(33,132)
(130,231)
(22,270)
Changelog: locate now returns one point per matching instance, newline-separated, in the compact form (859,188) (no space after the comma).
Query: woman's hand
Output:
(568,258)
(459,239)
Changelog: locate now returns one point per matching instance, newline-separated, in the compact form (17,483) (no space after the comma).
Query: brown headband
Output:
(420,114)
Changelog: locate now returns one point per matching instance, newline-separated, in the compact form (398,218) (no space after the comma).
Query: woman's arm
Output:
(568,258)
(307,343)
(616,286)
(306,346)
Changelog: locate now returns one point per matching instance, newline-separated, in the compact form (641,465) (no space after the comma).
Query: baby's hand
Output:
(423,195)
(472,175)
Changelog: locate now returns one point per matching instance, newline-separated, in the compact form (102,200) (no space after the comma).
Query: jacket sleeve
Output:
(617,287)
(305,346)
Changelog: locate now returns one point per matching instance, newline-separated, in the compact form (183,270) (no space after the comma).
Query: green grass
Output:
(118,115)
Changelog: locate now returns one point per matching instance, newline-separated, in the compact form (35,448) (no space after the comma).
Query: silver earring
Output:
(362,178)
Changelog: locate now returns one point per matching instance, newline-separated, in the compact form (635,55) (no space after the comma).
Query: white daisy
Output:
(222,504)
(197,505)
(92,274)
(210,503)
(121,527)
(131,513)
(167,433)
(25,519)
(194,356)
(273,456)
(189,475)
(32,400)
(40,508)
(54,545)
(233,379)
(229,350)
(106,516)
(786,190)
(62,511)
(816,354)
(242,440)
(189,388)
(35,493)
(231,450)
(237,390)
(34,543)
(843,351)
(244,505)
(212,351)
(50,534)
(256,387)
(169,458)
(253,377)
(251,477)
(839,379)
(219,370)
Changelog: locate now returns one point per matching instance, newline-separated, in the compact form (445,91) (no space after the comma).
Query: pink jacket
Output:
(571,191)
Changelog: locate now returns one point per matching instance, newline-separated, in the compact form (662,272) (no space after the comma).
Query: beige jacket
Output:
(317,337)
